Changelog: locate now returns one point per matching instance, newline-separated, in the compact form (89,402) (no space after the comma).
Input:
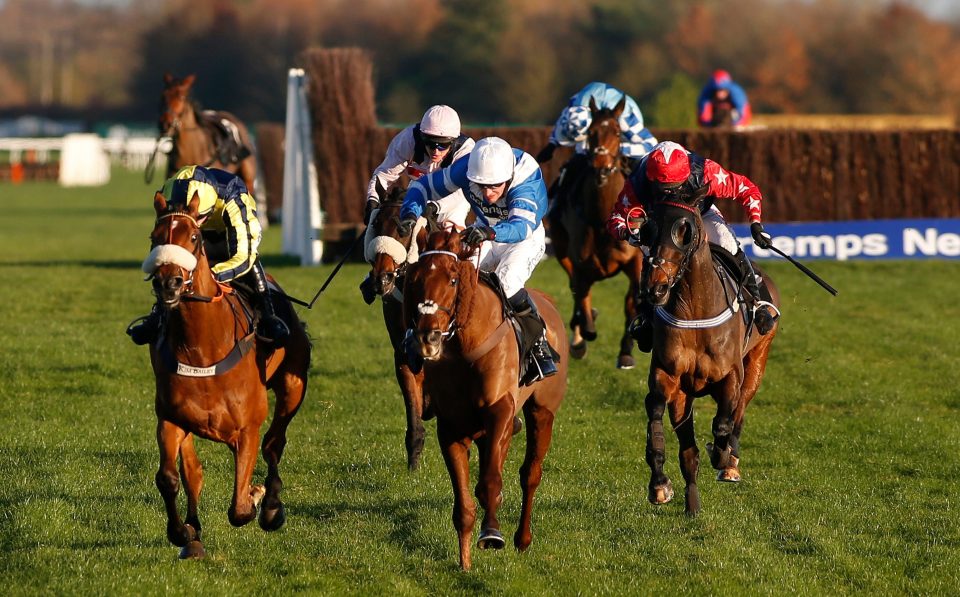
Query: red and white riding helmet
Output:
(668,164)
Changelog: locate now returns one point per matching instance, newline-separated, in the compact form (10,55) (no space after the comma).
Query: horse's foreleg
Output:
(498,424)
(290,393)
(660,490)
(456,456)
(753,368)
(169,438)
(539,433)
(728,399)
(581,285)
(246,497)
(191,472)
(681,417)
(412,390)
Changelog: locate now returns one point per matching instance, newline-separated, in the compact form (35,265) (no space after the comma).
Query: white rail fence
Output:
(128,152)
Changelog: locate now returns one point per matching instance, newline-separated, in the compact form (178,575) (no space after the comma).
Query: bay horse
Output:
(212,139)
(704,344)
(578,232)
(471,373)
(389,255)
(212,377)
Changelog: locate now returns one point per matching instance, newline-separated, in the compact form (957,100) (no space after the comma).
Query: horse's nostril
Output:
(434,337)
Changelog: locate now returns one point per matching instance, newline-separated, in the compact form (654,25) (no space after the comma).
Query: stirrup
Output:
(273,329)
(762,318)
(144,330)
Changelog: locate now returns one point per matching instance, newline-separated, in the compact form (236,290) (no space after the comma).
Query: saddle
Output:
(726,262)
(527,330)
(228,146)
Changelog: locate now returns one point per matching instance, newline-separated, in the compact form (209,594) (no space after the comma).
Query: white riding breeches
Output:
(719,232)
(513,262)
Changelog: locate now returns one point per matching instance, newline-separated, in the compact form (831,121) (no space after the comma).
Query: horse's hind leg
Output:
(625,359)
(456,456)
(539,433)
(289,397)
(754,366)
(169,439)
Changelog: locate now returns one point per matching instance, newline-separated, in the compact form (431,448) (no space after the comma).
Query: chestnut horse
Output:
(580,241)
(212,377)
(471,374)
(702,345)
(200,137)
(389,254)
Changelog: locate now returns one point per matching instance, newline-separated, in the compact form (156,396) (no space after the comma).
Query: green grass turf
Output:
(849,450)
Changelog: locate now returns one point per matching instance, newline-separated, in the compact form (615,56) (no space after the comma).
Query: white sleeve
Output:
(399,154)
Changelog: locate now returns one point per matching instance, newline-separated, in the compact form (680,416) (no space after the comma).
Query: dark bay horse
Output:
(471,374)
(207,138)
(578,232)
(212,377)
(389,254)
(702,346)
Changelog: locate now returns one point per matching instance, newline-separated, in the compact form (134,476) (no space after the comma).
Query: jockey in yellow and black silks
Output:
(231,233)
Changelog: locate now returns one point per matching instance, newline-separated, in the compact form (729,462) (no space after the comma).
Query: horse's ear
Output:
(618,109)
(593,105)
(194,205)
(167,79)
(159,203)
(188,80)
(378,187)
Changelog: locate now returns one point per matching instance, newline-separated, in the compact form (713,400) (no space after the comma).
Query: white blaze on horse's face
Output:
(428,307)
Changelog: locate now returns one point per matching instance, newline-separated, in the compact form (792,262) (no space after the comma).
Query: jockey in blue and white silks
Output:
(513,221)
(506,192)
(571,127)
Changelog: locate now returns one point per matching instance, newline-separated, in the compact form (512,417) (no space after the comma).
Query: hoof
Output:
(193,551)
(720,459)
(731,474)
(271,519)
(490,539)
(517,425)
(182,536)
(625,361)
(661,495)
(578,351)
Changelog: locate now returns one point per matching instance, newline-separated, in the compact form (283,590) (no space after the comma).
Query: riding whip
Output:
(805,270)
(343,260)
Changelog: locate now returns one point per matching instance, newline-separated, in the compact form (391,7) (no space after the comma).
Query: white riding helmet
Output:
(574,122)
(440,121)
(491,161)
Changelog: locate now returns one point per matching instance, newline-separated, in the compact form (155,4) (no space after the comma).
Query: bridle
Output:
(604,174)
(430,307)
(656,262)
(187,293)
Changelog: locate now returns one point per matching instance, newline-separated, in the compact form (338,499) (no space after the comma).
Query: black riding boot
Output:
(762,317)
(146,329)
(541,363)
(641,328)
(367,290)
(270,327)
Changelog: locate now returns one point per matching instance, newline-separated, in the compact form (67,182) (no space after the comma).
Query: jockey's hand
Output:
(546,153)
(372,204)
(475,235)
(431,211)
(761,237)
(405,226)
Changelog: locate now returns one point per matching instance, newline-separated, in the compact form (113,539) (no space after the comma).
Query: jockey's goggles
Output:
(437,144)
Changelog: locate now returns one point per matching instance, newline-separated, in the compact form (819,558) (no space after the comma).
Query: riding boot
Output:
(641,328)
(540,364)
(762,317)
(367,290)
(270,327)
(146,329)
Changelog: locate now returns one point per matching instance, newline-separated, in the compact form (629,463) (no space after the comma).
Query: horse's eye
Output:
(453,282)
(193,238)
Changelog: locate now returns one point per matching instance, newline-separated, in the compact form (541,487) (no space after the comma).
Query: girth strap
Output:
(488,344)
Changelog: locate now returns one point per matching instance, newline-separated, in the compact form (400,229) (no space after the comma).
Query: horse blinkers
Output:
(674,241)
